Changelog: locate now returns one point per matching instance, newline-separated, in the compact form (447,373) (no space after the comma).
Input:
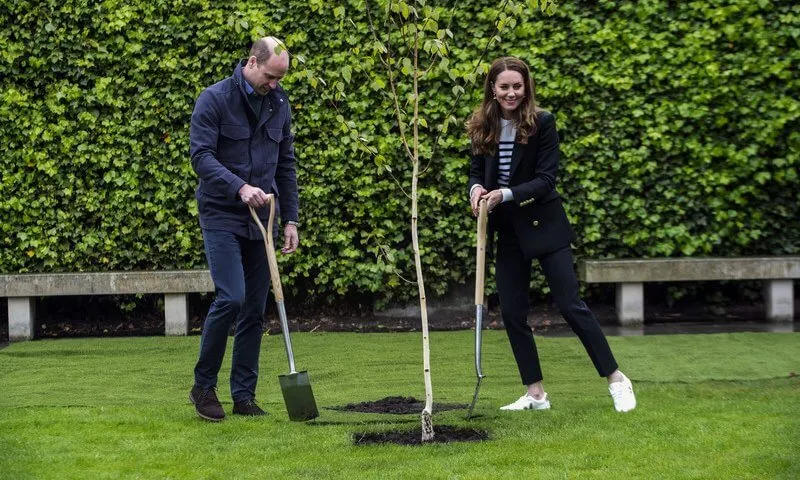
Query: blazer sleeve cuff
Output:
(472,189)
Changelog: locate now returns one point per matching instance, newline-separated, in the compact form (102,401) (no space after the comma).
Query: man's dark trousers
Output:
(513,284)
(241,280)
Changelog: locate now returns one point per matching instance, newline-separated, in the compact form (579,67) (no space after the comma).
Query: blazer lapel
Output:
(516,156)
(491,166)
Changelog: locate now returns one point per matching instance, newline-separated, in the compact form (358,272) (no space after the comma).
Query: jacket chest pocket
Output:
(233,146)
(272,141)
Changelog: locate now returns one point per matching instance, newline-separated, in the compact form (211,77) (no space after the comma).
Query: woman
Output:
(514,165)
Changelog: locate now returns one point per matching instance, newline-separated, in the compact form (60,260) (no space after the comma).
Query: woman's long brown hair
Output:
(483,126)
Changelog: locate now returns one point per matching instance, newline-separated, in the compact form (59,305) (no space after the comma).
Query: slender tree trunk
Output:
(427,422)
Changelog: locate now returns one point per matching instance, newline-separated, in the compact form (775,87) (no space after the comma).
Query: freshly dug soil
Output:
(396,405)
(442,434)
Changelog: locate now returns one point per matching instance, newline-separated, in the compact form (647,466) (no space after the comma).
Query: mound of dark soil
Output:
(442,434)
(396,405)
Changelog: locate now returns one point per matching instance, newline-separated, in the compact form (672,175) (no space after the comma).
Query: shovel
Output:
(480,266)
(296,387)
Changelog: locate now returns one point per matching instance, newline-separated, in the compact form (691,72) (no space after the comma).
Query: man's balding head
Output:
(265,47)
(268,63)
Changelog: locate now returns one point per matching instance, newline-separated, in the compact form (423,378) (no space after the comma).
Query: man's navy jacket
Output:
(229,147)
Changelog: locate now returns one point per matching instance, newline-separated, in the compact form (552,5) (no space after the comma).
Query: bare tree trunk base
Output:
(427,426)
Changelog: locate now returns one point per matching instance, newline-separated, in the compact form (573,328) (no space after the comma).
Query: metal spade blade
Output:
(480,267)
(296,386)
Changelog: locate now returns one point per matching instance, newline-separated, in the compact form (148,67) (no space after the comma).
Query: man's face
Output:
(264,77)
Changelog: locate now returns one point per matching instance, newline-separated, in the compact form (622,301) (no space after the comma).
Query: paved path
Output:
(711,326)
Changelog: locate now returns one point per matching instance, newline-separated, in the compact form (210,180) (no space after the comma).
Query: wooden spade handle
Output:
(480,261)
(277,289)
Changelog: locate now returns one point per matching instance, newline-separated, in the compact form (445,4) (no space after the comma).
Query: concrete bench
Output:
(630,274)
(22,289)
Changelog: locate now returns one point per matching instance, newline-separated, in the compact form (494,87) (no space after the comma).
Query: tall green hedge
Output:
(679,123)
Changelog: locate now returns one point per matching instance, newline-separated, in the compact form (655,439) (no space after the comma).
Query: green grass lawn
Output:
(710,406)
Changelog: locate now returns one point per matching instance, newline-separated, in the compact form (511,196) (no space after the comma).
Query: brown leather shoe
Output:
(206,403)
(248,408)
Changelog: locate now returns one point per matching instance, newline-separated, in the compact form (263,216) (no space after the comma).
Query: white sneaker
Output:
(622,393)
(526,402)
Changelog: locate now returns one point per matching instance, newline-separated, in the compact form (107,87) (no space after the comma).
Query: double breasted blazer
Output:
(536,215)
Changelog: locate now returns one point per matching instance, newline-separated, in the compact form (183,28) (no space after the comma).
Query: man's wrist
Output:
(292,222)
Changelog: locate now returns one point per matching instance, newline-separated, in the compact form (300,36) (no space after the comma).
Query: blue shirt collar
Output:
(247,87)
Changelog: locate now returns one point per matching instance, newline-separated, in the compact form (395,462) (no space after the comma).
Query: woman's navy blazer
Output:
(535,215)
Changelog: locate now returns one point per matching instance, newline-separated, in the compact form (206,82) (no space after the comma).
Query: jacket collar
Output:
(267,110)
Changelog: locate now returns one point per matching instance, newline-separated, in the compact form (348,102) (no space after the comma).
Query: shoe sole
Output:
(522,409)
(210,419)
(204,417)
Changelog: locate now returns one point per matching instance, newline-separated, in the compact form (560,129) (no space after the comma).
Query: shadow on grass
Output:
(717,380)
(442,434)
(396,405)
(325,423)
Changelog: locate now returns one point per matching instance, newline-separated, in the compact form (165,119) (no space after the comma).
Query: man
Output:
(241,149)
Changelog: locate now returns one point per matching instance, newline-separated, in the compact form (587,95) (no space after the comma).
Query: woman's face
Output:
(509,88)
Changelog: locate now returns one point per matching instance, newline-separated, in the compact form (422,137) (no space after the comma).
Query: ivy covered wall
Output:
(680,125)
